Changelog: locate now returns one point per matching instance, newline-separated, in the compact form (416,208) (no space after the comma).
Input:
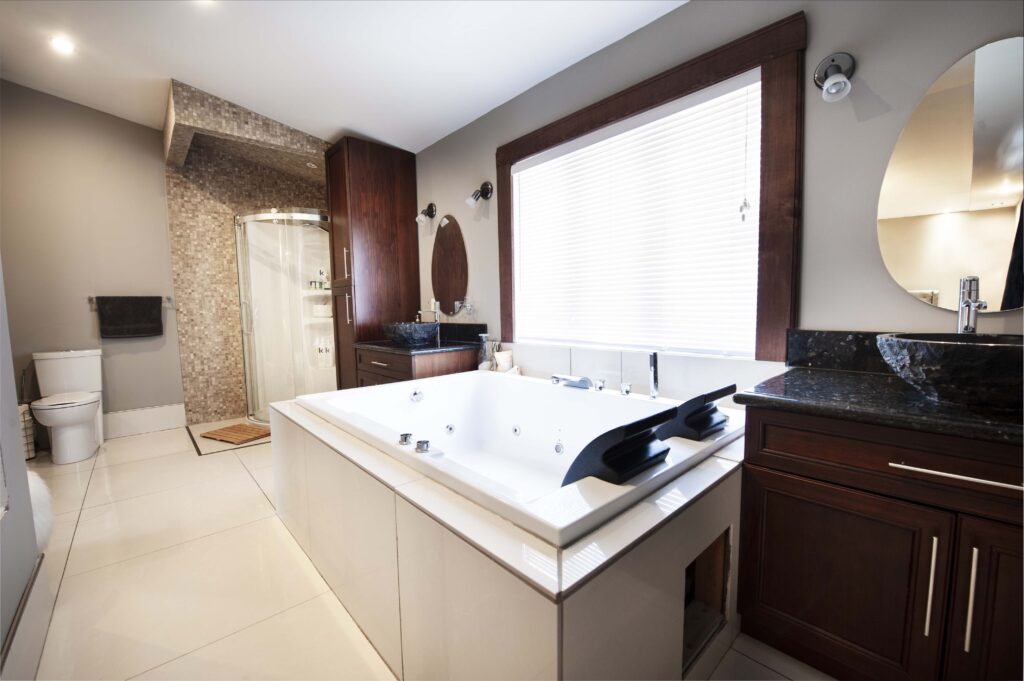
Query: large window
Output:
(666,215)
(645,233)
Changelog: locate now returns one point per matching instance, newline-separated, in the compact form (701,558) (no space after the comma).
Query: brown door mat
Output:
(238,434)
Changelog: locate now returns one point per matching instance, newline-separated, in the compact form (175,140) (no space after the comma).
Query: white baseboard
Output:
(29,628)
(147,420)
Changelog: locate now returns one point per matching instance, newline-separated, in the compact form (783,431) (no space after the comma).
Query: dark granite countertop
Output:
(877,398)
(389,346)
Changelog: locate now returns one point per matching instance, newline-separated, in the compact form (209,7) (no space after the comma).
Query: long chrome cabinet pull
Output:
(344,261)
(931,587)
(378,364)
(970,599)
(943,474)
(348,313)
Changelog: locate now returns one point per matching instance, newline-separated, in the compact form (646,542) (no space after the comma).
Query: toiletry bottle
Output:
(486,354)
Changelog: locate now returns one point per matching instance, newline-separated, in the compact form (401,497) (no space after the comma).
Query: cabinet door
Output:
(849,582)
(383,233)
(986,615)
(344,336)
(337,200)
(353,543)
(288,451)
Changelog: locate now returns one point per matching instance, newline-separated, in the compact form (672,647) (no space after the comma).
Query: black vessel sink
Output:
(412,334)
(974,370)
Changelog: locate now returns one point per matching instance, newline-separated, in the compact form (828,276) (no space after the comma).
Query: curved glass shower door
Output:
(284,293)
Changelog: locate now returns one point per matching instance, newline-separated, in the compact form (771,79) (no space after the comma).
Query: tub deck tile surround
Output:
(524,554)
(519,551)
(591,553)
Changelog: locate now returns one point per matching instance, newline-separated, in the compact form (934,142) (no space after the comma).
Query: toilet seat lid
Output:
(64,400)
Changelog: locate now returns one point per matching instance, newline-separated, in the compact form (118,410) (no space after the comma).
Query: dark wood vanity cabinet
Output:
(371,192)
(863,569)
(375,367)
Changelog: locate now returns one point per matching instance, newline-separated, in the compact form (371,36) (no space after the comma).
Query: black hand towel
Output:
(130,316)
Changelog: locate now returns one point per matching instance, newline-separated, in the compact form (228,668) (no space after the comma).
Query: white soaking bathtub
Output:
(506,443)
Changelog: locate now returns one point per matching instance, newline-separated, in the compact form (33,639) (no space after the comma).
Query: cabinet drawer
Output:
(365,378)
(978,477)
(385,363)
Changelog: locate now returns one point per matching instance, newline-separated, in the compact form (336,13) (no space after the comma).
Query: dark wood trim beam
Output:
(506,255)
(778,262)
(742,54)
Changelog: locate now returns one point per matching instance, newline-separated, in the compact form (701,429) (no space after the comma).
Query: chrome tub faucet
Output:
(572,381)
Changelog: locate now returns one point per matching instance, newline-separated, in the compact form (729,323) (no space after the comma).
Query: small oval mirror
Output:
(950,205)
(449,269)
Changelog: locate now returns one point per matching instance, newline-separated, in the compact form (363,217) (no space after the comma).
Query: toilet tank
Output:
(68,371)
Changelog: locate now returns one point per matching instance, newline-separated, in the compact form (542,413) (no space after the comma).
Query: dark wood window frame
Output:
(779,50)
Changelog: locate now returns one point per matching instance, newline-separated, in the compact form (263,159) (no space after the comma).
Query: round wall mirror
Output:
(950,205)
(449,269)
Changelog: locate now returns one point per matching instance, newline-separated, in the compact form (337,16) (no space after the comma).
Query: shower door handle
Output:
(348,309)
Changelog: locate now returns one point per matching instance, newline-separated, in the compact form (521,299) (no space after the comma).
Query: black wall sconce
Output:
(428,213)
(485,192)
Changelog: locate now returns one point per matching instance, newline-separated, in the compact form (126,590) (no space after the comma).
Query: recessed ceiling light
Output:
(62,44)
(310,164)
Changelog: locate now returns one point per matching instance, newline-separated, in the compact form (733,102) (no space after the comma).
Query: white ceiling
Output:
(405,73)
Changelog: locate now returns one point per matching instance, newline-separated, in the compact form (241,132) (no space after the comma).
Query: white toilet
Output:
(70,383)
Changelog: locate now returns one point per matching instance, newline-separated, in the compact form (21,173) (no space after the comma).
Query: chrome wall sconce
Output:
(833,76)
(485,192)
(428,213)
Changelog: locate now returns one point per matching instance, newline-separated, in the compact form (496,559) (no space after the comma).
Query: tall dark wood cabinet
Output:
(371,192)
(870,570)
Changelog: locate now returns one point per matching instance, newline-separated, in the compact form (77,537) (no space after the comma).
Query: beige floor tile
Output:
(127,480)
(265,479)
(124,619)
(208,446)
(255,457)
(58,547)
(315,640)
(132,527)
(738,667)
(46,468)
(777,661)
(146,446)
(68,491)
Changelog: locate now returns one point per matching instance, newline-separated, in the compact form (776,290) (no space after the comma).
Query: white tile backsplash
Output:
(597,364)
(680,376)
(539,360)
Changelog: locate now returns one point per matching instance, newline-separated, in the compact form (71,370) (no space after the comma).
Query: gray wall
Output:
(17,532)
(84,212)
(900,47)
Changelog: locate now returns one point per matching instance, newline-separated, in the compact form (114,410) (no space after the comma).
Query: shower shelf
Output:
(316,293)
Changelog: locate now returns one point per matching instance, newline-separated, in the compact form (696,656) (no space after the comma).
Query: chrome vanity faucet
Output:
(967,311)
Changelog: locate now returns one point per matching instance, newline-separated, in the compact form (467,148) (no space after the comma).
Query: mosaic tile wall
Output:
(192,112)
(203,197)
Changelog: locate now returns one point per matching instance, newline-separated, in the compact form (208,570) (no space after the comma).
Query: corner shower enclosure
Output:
(285,299)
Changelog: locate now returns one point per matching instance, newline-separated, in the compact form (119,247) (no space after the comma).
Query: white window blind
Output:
(644,234)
